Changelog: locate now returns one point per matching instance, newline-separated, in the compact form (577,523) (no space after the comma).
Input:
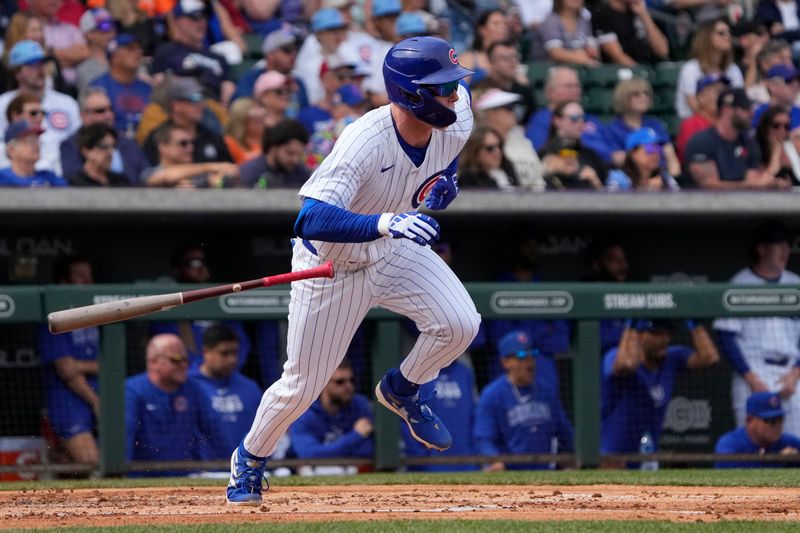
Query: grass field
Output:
(631,484)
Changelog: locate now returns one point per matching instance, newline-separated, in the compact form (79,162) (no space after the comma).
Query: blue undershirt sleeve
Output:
(320,221)
(730,348)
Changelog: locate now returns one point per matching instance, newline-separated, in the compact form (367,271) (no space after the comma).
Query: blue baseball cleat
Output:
(247,473)
(425,426)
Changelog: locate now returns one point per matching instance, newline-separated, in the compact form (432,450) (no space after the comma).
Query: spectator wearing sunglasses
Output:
(642,168)
(482,164)
(97,143)
(334,73)
(778,153)
(126,157)
(338,424)
(279,49)
(23,151)
(273,91)
(633,98)
(783,86)
(329,32)
(167,417)
(566,129)
(98,27)
(762,433)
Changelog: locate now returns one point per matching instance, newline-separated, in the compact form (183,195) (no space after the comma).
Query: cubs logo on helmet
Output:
(424,189)
(453,56)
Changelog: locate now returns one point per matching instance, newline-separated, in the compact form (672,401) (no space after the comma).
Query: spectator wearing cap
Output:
(185,110)
(22,149)
(128,93)
(775,52)
(25,25)
(330,31)
(497,110)
(520,412)
(642,169)
(27,107)
(638,379)
(187,54)
(26,61)
(174,145)
(281,163)
(334,73)
(708,89)
(345,105)
(410,24)
(359,47)
(627,34)
(64,41)
(274,91)
(126,156)
(566,129)
(633,98)
(483,165)
(783,86)
(98,27)
(563,85)
(97,143)
(762,433)
(725,156)
(280,53)
(764,351)
(384,21)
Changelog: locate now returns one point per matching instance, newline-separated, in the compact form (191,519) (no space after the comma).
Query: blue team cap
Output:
(516,344)
(409,24)
(384,8)
(327,19)
(20,129)
(188,8)
(765,405)
(26,52)
(711,79)
(350,94)
(122,39)
(639,137)
(786,72)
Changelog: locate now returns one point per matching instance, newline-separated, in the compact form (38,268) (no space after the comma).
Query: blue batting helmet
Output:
(412,71)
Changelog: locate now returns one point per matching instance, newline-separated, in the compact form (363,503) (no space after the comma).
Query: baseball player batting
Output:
(359,210)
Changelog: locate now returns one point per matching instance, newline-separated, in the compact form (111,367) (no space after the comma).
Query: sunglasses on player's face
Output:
(443,89)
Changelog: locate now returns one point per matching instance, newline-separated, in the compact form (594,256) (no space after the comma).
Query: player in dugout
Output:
(360,211)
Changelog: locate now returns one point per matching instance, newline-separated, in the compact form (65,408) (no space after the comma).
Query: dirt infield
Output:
(197,505)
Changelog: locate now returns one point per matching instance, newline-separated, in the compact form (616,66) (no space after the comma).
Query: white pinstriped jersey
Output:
(369,173)
(763,338)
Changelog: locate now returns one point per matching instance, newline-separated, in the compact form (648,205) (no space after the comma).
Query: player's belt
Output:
(777,362)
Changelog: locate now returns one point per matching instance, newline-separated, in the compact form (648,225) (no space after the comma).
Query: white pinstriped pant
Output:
(324,314)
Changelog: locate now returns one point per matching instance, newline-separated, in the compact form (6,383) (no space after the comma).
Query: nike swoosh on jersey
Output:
(387,168)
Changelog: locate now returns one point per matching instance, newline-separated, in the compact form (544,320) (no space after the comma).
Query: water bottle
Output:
(647,446)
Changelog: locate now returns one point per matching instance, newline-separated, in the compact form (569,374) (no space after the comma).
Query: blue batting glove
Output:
(443,192)
(420,228)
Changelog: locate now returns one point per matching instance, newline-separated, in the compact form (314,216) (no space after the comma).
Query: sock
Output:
(401,385)
(247,455)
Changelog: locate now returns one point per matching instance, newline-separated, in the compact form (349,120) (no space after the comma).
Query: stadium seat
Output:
(237,71)
(663,100)
(253,42)
(666,74)
(601,76)
(598,100)
(537,73)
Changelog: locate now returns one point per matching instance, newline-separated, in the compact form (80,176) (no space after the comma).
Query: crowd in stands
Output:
(502,397)
(617,95)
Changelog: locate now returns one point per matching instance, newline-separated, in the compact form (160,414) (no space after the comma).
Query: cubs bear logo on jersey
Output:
(424,189)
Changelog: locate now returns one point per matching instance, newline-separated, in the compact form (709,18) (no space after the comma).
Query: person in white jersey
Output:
(359,210)
(764,351)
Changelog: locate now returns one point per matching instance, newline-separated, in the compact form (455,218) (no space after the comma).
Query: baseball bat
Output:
(106,313)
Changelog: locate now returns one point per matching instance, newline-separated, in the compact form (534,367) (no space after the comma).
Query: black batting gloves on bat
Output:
(420,228)
(443,192)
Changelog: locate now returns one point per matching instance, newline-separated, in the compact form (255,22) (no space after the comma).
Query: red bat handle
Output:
(325,270)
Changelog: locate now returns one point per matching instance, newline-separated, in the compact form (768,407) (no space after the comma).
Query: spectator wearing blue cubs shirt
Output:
(70,366)
(762,433)
(519,413)
(633,98)
(129,95)
(233,397)
(639,378)
(22,148)
(167,415)
(338,424)
(783,85)
(453,397)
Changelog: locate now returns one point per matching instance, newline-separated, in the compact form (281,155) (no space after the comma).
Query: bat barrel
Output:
(107,313)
